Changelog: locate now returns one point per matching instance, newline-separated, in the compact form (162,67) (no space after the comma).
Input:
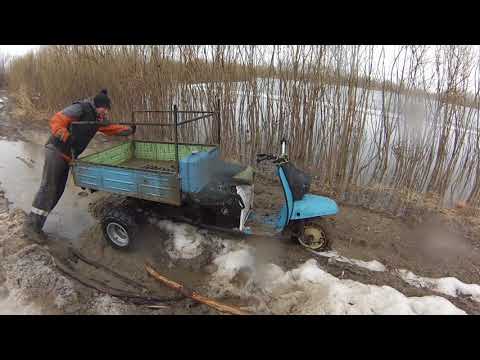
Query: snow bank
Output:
(187,241)
(326,294)
(373,265)
(309,290)
(449,285)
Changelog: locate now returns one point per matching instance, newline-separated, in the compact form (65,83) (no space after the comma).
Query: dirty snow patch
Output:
(107,305)
(187,241)
(309,290)
(31,276)
(9,306)
(232,262)
(448,285)
(326,294)
(373,265)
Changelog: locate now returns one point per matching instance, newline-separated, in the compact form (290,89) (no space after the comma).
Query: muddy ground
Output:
(434,243)
(371,225)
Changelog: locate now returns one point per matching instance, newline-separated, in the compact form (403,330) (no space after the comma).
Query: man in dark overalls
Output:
(58,154)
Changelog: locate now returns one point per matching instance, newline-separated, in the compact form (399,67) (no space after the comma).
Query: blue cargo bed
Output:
(147,170)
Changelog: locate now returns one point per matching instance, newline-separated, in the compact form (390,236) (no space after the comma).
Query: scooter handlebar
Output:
(263,157)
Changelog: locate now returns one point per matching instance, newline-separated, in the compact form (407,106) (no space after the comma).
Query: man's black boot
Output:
(33,230)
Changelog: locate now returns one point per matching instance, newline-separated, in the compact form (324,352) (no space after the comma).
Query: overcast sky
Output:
(17,50)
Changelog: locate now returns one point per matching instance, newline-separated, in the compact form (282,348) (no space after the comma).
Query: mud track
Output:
(372,225)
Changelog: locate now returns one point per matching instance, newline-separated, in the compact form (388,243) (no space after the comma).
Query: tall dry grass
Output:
(350,116)
(3,70)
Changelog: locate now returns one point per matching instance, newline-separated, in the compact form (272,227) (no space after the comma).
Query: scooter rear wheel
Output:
(119,227)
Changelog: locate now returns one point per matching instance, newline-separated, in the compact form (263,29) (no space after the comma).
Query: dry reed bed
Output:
(350,116)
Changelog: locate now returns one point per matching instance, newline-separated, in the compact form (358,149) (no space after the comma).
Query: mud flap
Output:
(246,193)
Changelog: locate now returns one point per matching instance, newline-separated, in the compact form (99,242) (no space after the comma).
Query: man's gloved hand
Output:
(62,134)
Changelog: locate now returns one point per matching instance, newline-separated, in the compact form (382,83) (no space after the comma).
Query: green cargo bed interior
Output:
(144,155)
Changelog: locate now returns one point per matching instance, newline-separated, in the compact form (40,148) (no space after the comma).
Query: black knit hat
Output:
(102,99)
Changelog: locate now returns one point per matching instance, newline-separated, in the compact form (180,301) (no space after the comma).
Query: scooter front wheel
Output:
(313,237)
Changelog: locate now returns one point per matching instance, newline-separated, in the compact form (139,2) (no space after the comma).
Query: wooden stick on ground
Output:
(193,295)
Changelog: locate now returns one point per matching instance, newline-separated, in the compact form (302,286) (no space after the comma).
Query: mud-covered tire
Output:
(120,227)
(314,233)
(318,226)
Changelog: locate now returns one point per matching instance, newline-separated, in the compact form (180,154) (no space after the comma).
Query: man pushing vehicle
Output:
(60,148)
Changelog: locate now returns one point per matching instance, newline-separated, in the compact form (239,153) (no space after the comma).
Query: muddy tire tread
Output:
(126,217)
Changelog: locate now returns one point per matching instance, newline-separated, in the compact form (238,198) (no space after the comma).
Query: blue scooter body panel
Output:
(286,210)
(311,206)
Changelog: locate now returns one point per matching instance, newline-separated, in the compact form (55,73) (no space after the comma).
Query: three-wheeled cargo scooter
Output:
(190,183)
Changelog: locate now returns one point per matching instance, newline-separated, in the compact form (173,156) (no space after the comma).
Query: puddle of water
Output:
(21,182)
